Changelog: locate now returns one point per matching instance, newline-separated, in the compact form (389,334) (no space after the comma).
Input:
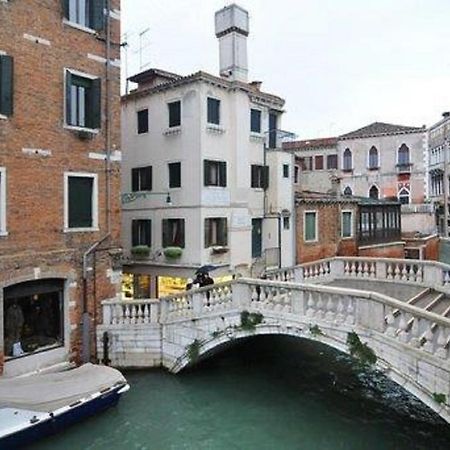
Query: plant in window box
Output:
(219,250)
(173,252)
(140,251)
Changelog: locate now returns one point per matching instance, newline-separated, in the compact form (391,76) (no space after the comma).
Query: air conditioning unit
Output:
(85,135)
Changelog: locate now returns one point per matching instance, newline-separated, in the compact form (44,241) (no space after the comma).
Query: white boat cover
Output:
(51,391)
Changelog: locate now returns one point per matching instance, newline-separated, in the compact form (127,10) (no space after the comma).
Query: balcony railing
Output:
(404,168)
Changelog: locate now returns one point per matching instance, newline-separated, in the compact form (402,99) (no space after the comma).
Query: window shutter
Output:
(65,7)
(97,15)
(135,180)
(207,233)
(150,178)
(165,233)
(93,110)
(80,202)
(223,174)
(134,233)
(206,170)
(68,98)
(181,232)
(223,232)
(6,85)
(253,176)
(265,177)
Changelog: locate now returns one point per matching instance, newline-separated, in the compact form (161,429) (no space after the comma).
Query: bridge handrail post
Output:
(381,270)
(163,310)
(431,275)
(297,299)
(298,274)
(154,312)
(197,302)
(241,295)
(106,313)
(337,267)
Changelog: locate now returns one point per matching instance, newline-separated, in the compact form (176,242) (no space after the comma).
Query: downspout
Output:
(86,341)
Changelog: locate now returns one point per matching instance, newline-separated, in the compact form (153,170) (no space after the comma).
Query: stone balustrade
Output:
(130,312)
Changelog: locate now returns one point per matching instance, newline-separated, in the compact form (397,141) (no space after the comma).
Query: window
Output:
(286,223)
(255,121)
(374,192)
(403,196)
(296,174)
(83,108)
(285,170)
(142,121)
(348,191)
(175,175)
(174,114)
(33,317)
(81,201)
(347,163)
(318,162)
(173,233)
(306,163)
(213,111)
(216,232)
(256,238)
(347,224)
(141,179)
(373,158)
(87,13)
(215,173)
(259,176)
(332,162)
(310,232)
(2,201)
(6,85)
(141,232)
(403,155)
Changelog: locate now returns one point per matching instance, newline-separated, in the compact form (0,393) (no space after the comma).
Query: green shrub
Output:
(250,320)
(140,251)
(173,252)
(315,330)
(440,398)
(193,351)
(360,350)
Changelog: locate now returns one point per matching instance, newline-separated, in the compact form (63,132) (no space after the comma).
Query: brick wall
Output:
(35,180)
(383,251)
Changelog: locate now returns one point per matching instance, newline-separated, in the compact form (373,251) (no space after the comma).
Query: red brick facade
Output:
(37,149)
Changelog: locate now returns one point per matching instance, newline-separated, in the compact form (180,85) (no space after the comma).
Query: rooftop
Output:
(381,129)
(310,143)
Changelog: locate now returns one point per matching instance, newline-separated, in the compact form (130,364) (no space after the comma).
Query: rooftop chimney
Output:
(446,114)
(232,30)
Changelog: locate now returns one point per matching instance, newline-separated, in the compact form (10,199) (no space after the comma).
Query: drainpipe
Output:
(446,187)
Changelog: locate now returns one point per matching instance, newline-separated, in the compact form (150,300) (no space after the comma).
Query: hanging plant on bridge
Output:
(250,320)
(193,351)
(360,350)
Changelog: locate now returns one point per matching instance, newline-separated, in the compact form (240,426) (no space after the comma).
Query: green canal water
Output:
(265,393)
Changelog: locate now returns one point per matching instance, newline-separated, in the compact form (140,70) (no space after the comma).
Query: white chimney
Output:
(232,30)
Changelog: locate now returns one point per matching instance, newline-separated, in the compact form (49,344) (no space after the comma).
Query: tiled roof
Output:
(380,129)
(310,143)
(152,73)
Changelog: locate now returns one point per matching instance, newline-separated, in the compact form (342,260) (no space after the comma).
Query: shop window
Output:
(136,286)
(33,317)
(216,231)
(173,233)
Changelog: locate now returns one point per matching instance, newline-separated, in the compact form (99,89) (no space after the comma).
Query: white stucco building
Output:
(203,171)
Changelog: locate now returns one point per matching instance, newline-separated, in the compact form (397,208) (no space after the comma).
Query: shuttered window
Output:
(141,179)
(141,232)
(216,231)
(175,175)
(80,202)
(259,176)
(332,162)
(173,233)
(310,231)
(2,200)
(215,173)
(255,121)
(174,114)
(87,13)
(213,111)
(142,121)
(6,85)
(318,162)
(83,101)
(285,170)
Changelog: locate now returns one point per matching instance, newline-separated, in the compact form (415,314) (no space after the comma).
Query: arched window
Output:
(347,163)
(403,196)
(348,191)
(373,158)
(374,192)
(403,155)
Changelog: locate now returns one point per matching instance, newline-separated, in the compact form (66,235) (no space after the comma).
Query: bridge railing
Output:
(427,273)
(130,312)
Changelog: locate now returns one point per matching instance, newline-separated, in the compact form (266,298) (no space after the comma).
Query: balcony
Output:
(403,168)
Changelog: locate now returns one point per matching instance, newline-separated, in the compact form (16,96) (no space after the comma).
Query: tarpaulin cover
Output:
(54,390)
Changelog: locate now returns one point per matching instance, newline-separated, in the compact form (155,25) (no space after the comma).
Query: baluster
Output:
(419,274)
(404,273)
(403,327)
(346,268)
(353,268)
(320,306)
(415,333)
(146,313)
(428,336)
(389,275)
(350,311)
(329,315)
(397,272)
(310,305)
(390,322)
(373,270)
(441,342)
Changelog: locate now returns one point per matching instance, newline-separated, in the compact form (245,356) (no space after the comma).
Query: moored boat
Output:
(36,406)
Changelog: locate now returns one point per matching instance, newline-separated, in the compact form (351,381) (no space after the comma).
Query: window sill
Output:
(373,168)
(3,233)
(347,238)
(172,131)
(85,129)
(315,241)
(214,128)
(81,230)
(215,187)
(347,170)
(258,137)
(78,26)
(3,117)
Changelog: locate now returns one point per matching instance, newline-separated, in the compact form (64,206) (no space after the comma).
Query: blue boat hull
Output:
(58,423)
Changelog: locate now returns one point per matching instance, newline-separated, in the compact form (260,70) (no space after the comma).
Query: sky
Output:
(339,64)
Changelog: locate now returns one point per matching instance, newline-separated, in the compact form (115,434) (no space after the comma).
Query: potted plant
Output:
(173,252)
(140,251)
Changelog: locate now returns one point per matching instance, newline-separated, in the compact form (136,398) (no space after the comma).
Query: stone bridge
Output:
(392,313)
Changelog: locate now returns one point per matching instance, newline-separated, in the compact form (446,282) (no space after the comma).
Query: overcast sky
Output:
(340,64)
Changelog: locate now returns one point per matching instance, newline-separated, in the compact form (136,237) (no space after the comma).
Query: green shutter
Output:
(93,104)
(265,177)
(68,98)
(6,85)
(207,233)
(223,232)
(65,8)
(134,233)
(223,174)
(97,15)
(80,202)
(135,180)
(165,233)
(253,176)
(181,232)
(310,226)
(206,170)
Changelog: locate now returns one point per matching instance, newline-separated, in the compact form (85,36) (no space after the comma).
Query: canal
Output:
(265,393)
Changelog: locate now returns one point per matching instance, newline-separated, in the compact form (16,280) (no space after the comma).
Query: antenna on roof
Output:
(143,44)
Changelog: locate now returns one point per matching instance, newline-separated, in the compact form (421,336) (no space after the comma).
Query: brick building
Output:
(59,178)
